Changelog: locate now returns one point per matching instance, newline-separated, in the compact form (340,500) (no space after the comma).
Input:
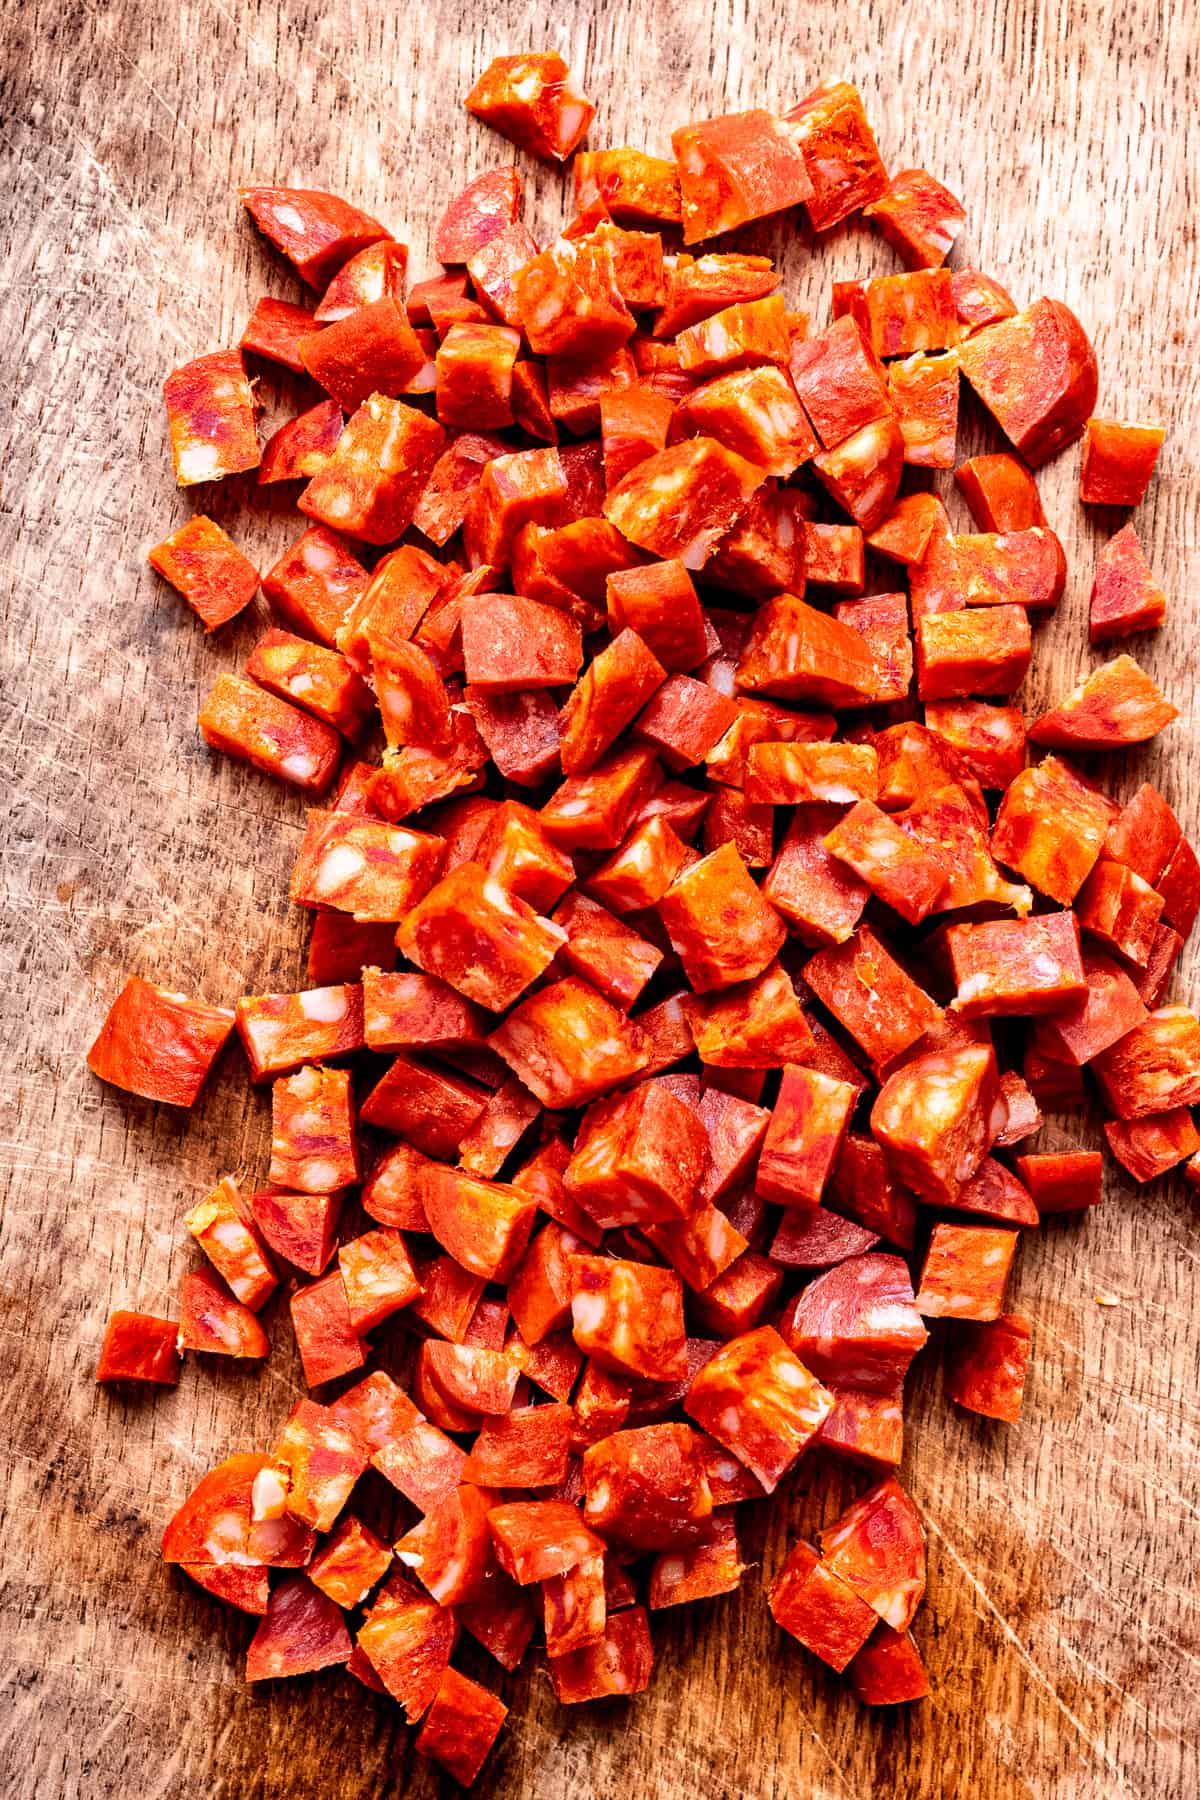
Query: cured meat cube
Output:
(797,653)
(501,1619)
(604,951)
(869,993)
(840,153)
(758,1401)
(511,644)
(810,774)
(740,337)
(570,303)
(328,1343)
(211,1319)
(629,1317)
(1016,966)
(222,1227)
(812,1602)
(601,1406)
(857,1324)
(408,1639)
(316,1461)
(965,1272)
(405,585)
(405,1009)
(1017,568)
(733,169)
(205,565)
(461,1726)
(617,1663)
(841,382)
(140,1347)
(763,553)
(159,1044)
(947,824)
(532,100)
(816,1239)
(594,811)
(807,1125)
(317,232)
(730,819)
(372,870)
(1116,704)
(319,680)
(413,777)
(986,1366)
(679,502)
(1118,461)
(211,418)
(520,732)
(569,1045)
(639,873)
(1125,596)
(578,385)
(279,1032)
(918,217)
(313,1145)
(1062,1181)
(1153,981)
(905,533)
(894,866)
(475,376)
(980,299)
(498,1130)
(613,688)
(1179,885)
(698,287)
(740,1297)
(648,1488)
(375,273)
(302,1228)
(378,1277)
(529,1447)
(302,445)
(882,621)
(1153,1068)
(995,1193)
(755,414)
(863,472)
(484,1225)
(736,1128)
(471,932)
(914,763)
(1036,374)
(720,926)
(1000,492)
(759,1025)
(538,1539)
(526,487)
(243,720)
(315,583)
(865,1428)
(350,1564)
(430,1107)
(877,1547)
(372,350)
(980,652)
(275,329)
(1117,906)
(990,740)
(833,557)
(493,269)
(1110,1008)
(819,897)
(1051,827)
(698,1571)
(215,1527)
(701,1248)
(685,720)
(375,473)
(637,189)
(303,1630)
(862,1187)
(450,487)
(634,422)
(639,1158)
(1149,1147)
(924,391)
(1145,835)
(888,1671)
(937,1117)
(451,1548)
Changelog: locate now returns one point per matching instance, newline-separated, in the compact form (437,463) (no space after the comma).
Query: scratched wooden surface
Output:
(1060,1627)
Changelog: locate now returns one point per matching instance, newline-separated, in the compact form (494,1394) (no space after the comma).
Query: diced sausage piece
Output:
(378,1277)
(639,269)
(882,621)
(529,1447)
(315,583)
(1110,1008)
(807,1125)
(861,1186)
(740,1297)
(222,1227)
(302,1228)
(533,101)
(699,1571)
(679,502)
(413,777)
(1125,596)
(484,1225)
(373,350)
(947,824)
(976,652)
(986,1366)
(303,1630)
(213,1320)
(375,273)
(965,1272)
(473,933)
(520,731)
(698,287)
(578,385)
(993,1192)
(404,1009)
(990,740)
(758,1025)
(526,487)
(302,445)
(375,473)
(477,214)
(841,382)
(505,1119)
(857,1324)
(450,1550)
(924,391)
(639,873)
(1153,981)
(1118,461)
(753,413)
(211,418)
(1055,1082)
(840,153)
(370,869)
(313,1145)
(906,314)
(833,557)
(1117,704)
(159,1044)
(893,865)
(720,926)
(1000,492)
(244,721)
(275,329)
(1153,1068)
(1051,827)
(648,1488)
(319,680)
(569,1045)
(639,1158)
(740,337)
(888,1671)
(475,374)
(701,1248)
(816,1239)
(215,1527)
(461,1726)
(810,774)
(1062,1181)
(937,1117)
(980,300)
(570,303)
(328,1343)
(1016,966)
(1123,911)
(918,217)
(501,1618)
(819,897)
(877,1546)
(613,689)
(1145,835)
(812,1602)
(279,1032)
(763,553)
(205,565)
(605,952)
(637,189)
(733,169)
(904,534)
(629,1317)
(617,1663)
(317,232)
(736,1128)
(538,1539)
(865,1428)
(420,1460)
(321,1452)
(350,1564)
(869,993)
(1018,568)
(408,1638)
(760,1402)
(450,487)
(600,1407)
(633,423)
(1036,374)
(759,722)
(797,653)
(1148,1147)
(141,1347)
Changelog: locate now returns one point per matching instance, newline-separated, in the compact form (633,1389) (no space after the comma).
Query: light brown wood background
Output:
(1061,1625)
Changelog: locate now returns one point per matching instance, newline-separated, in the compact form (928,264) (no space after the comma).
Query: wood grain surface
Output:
(1061,1626)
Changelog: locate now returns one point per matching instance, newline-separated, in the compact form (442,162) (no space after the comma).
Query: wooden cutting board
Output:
(1060,1626)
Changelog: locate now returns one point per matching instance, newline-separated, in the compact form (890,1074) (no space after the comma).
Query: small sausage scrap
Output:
(1125,596)
(918,217)
(888,1670)
(139,1347)
(533,101)
(1118,461)
(987,1364)
(205,565)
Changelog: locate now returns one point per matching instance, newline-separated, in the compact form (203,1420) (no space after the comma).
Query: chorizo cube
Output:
(840,153)
(918,217)
(634,422)
(604,951)
(882,622)
(912,313)
(533,101)
(1118,461)
(301,445)
(819,897)
(313,1144)
(1109,1008)
(699,286)
(483,1225)
(987,1364)
(758,1025)
(980,299)
(698,1571)
(628,1317)
(857,1324)
(1145,835)
(372,350)
(279,1032)
(637,262)
(729,818)
(211,417)
(523,488)
(979,652)
(1062,1181)
(1179,885)
(245,721)
(948,825)
(407,1638)
(740,1297)
(904,535)
(763,553)
(570,303)
(450,487)
(679,502)
(315,583)
(812,1602)
(461,1726)
(475,376)
(648,1488)
(493,269)
(568,1044)
(865,1428)
(888,1671)
(841,382)
(863,472)
(833,557)
(450,1550)
(797,653)
(302,1228)
(1148,1147)
(965,1272)
(701,1248)
(863,1188)
(1152,981)
(1117,704)
(612,690)
(405,585)
(754,413)
(737,168)
(1051,827)
(303,1630)
(685,720)
(619,1663)
(221,1225)
(365,867)
(375,473)
(636,188)
(810,774)
(1118,907)
(159,1044)
(1155,1067)
(990,740)
(350,1563)
(809,1119)
(432,1108)
(924,391)
(274,330)
(528,1447)
(1125,596)
(639,1158)
(405,1009)
(203,563)
(378,1277)
(538,1539)
(1000,492)
(639,873)
(739,337)
(759,1401)
(139,1347)
(512,644)
(937,1117)
(317,232)
(1036,374)
(1016,966)
(868,992)
(720,926)
(376,272)
(318,680)
(877,1546)
(325,1336)
(508,1115)
(473,933)
(896,868)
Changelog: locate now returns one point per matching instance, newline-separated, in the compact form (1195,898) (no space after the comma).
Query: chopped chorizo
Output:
(245,721)
(1000,492)
(1117,704)
(639,1158)
(617,1663)
(918,217)
(877,1546)
(365,867)
(477,214)
(888,1670)
(1155,1067)
(758,1400)
(461,1726)
(328,1343)
(628,1317)
(1036,374)
(1051,827)
(840,153)
(159,1044)
(680,501)
(141,1347)
(1125,596)
(833,556)
(373,350)
(841,382)
(537,1539)
(484,1225)
(937,1117)
(204,565)
(810,1117)
(408,1639)
(758,1025)
(865,1428)
(640,871)
(1118,461)
(612,690)
(1016,966)
(753,413)
(797,653)
(211,417)
(720,926)
(568,1044)
(857,1324)
(301,445)
(313,1145)
(896,868)
(737,168)
(688,1572)
(214,1320)
(965,1272)
(812,1602)
(868,992)
(862,1187)
(315,585)
(986,1366)
(980,300)
(350,1564)
(221,1225)
(303,1630)
(972,652)
(990,740)
(302,1228)
(648,1488)
(604,951)
(1118,907)
(637,189)
(810,774)
(528,1447)
(473,933)
(532,100)
(375,273)
(1148,1147)
(821,899)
